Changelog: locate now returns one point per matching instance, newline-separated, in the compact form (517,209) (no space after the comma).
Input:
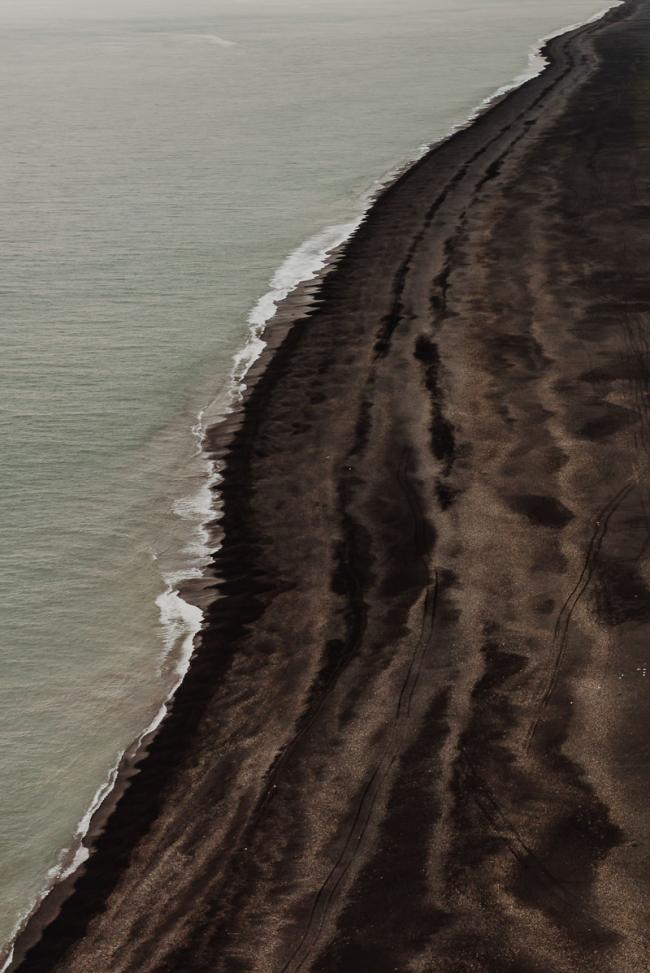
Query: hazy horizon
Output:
(33,10)
(30,10)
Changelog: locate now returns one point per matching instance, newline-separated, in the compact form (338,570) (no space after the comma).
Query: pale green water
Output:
(153,178)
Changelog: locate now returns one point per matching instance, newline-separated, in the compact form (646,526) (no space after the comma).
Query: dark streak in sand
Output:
(414,735)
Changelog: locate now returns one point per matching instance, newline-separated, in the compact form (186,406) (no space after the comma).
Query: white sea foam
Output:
(537,60)
(178,618)
(302,265)
(196,505)
(211,39)
(306,262)
(181,622)
(71,858)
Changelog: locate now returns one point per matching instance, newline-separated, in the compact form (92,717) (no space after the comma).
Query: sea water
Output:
(155,175)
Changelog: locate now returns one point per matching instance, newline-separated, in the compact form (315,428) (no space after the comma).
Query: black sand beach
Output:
(415,735)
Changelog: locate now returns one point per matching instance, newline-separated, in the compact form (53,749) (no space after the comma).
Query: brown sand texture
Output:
(415,735)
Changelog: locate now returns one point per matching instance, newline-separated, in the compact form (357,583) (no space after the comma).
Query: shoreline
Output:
(221,437)
(295,294)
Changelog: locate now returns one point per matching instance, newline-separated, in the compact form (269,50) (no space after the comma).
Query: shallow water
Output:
(155,174)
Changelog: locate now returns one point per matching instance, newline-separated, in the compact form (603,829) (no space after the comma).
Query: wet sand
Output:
(415,735)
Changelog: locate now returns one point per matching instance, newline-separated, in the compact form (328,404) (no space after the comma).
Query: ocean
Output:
(164,183)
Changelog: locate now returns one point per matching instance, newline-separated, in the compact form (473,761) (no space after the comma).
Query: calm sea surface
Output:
(154,174)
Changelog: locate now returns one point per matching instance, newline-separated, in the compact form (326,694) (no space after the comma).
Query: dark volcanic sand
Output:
(416,732)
